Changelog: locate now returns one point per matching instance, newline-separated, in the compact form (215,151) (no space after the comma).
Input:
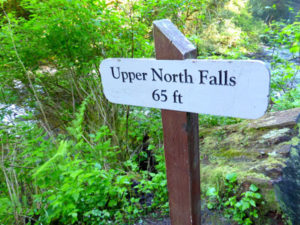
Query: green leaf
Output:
(253,188)
(76,173)
(211,192)
(245,205)
(257,195)
(75,196)
(123,180)
(98,166)
(295,49)
(247,221)
(231,177)
(210,205)
(113,203)
(252,202)
(74,215)
(150,147)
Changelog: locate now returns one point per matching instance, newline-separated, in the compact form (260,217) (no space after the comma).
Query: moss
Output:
(252,176)
(274,160)
(209,143)
(213,176)
(236,137)
(271,203)
(295,141)
(251,153)
(204,131)
(235,153)
(280,202)
(294,153)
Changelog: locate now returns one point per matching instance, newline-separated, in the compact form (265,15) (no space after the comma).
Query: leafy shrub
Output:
(281,36)
(75,177)
(241,207)
(288,100)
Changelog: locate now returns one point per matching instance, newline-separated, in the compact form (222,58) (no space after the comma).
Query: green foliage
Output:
(270,10)
(24,146)
(244,211)
(79,159)
(213,198)
(288,100)
(6,210)
(78,180)
(79,190)
(84,182)
(211,121)
(230,32)
(281,36)
(66,41)
(59,64)
(241,207)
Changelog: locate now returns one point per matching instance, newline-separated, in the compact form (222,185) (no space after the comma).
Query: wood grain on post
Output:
(181,139)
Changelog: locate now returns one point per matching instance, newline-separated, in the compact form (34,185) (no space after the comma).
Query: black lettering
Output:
(188,78)
(168,77)
(177,96)
(232,81)
(131,76)
(213,80)
(119,71)
(180,77)
(220,77)
(175,76)
(124,76)
(138,76)
(155,73)
(144,76)
(203,76)
(226,78)
(113,73)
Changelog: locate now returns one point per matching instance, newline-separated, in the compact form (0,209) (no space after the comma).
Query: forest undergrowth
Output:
(75,158)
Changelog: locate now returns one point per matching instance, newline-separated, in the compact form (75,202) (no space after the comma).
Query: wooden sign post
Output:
(177,81)
(181,139)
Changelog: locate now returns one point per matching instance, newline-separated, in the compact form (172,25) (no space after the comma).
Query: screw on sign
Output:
(182,87)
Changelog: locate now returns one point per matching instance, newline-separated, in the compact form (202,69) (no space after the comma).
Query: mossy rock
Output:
(265,152)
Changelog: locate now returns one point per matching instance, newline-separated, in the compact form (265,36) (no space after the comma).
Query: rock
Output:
(285,118)
(209,217)
(265,152)
(284,150)
(273,172)
(287,189)
(277,136)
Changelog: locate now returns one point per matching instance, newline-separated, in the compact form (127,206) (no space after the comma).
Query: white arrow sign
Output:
(238,88)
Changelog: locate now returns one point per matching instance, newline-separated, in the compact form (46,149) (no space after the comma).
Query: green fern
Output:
(61,153)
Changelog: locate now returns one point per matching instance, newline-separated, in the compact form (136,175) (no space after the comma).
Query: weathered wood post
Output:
(181,139)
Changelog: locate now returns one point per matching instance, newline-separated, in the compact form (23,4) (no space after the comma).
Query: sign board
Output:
(236,88)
